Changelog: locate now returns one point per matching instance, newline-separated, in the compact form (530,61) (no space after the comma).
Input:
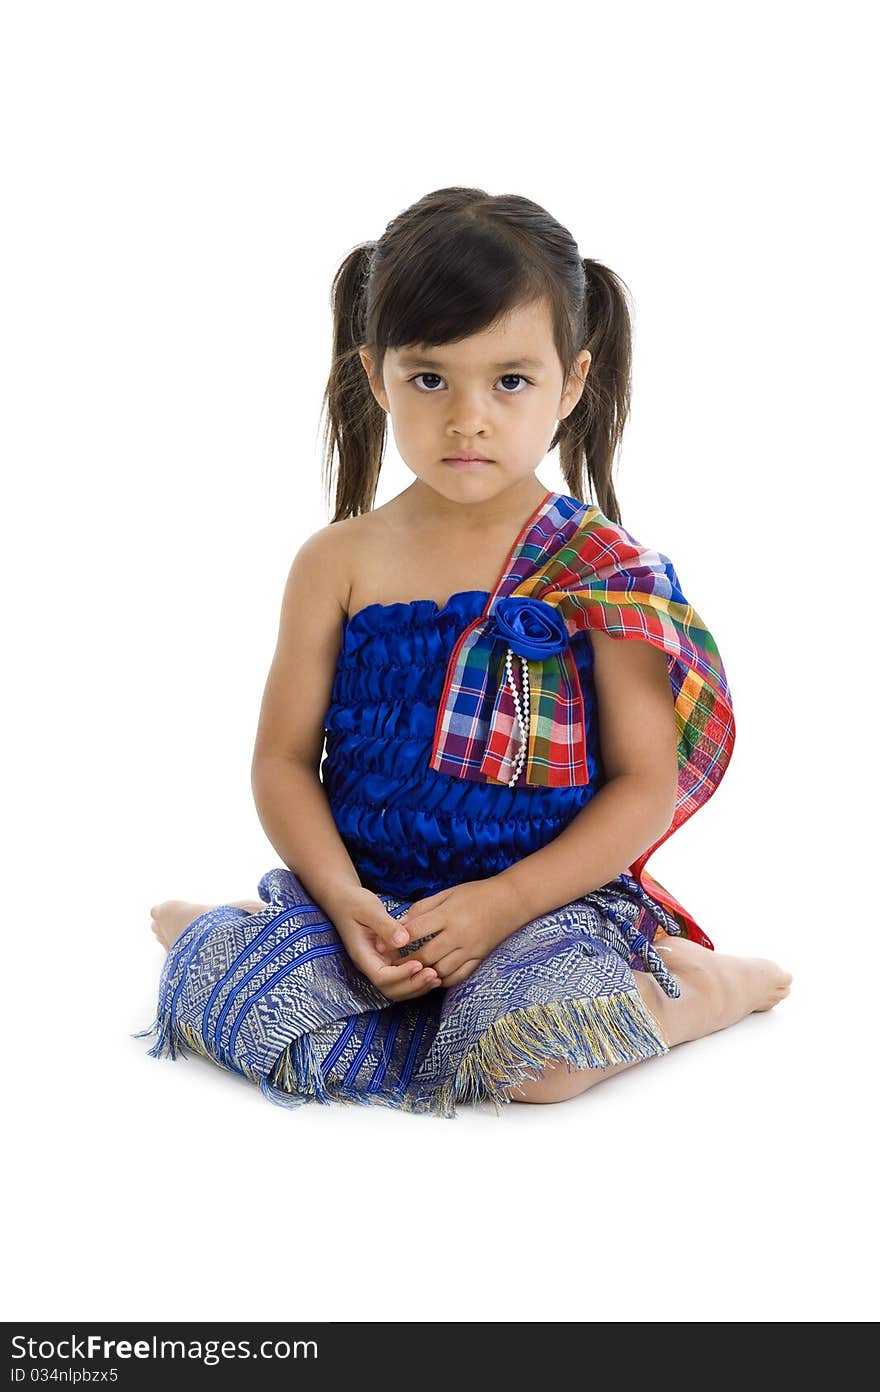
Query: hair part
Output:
(451,265)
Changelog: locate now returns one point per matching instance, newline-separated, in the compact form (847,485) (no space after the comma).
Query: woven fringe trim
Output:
(297,1077)
(168,1042)
(180,1038)
(593,1033)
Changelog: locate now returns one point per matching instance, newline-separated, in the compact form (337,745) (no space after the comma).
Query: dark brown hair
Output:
(450,266)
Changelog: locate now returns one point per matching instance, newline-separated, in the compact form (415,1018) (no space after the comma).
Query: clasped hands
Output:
(464,924)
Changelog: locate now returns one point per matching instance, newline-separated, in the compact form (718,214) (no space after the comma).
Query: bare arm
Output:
(639,742)
(285,773)
(295,815)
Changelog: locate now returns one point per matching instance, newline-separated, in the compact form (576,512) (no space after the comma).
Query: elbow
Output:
(656,803)
(668,815)
(258,764)
(266,764)
(662,793)
(262,769)
(664,796)
(667,804)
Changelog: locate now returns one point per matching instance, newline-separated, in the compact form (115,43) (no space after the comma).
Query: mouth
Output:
(466,461)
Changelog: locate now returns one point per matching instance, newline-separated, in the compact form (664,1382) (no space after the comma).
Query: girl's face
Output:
(498,394)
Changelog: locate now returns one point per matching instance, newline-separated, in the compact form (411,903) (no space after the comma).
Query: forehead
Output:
(414,359)
(524,338)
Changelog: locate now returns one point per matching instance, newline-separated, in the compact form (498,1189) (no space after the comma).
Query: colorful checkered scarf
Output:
(572,569)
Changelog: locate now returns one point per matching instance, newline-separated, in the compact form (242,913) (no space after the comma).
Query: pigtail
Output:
(591,433)
(354,422)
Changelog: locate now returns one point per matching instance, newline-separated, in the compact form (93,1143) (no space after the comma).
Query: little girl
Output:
(465,912)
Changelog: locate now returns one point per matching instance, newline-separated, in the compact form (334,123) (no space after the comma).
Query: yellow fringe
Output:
(593,1033)
(193,1039)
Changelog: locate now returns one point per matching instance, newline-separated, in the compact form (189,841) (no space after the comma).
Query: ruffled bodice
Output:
(410,830)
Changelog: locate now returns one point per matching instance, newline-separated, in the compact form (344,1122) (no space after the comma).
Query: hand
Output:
(362,921)
(465,923)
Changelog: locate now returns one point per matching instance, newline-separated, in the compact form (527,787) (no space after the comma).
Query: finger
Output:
(431,901)
(424,979)
(465,970)
(398,971)
(449,963)
(386,953)
(415,912)
(408,993)
(390,932)
(407,975)
(377,968)
(425,975)
(397,955)
(428,946)
(419,983)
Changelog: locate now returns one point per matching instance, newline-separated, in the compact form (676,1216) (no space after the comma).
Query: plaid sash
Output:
(571,569)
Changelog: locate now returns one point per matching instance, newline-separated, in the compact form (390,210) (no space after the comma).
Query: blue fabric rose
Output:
(530,627)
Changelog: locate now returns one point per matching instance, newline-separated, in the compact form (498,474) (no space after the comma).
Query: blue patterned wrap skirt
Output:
(275,997)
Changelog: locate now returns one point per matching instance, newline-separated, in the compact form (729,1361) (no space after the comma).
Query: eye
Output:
(508,376)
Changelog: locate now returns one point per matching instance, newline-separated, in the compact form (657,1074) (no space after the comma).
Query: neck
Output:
(510,508)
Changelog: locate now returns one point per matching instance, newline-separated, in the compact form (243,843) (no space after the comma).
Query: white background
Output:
(180,184)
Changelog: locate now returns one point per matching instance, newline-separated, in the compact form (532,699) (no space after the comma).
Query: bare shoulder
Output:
(326,561)
(353,547)
(300,681)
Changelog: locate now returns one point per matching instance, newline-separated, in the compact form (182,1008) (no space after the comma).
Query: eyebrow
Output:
(410,360)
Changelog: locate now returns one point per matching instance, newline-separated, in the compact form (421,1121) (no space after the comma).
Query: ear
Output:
(377,386)
(574,388)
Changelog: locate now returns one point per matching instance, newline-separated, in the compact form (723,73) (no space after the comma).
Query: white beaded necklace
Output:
(523,724)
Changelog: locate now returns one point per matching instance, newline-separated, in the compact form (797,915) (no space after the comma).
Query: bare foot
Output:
(173,916)
(741,984)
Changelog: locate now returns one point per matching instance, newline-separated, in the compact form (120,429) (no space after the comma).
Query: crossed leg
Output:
(717,990)
(171,917)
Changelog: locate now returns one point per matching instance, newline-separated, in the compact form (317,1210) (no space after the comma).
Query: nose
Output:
(467,435)
(467,420)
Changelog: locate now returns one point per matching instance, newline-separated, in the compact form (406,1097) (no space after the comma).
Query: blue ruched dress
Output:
(410,830)
(275,996)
